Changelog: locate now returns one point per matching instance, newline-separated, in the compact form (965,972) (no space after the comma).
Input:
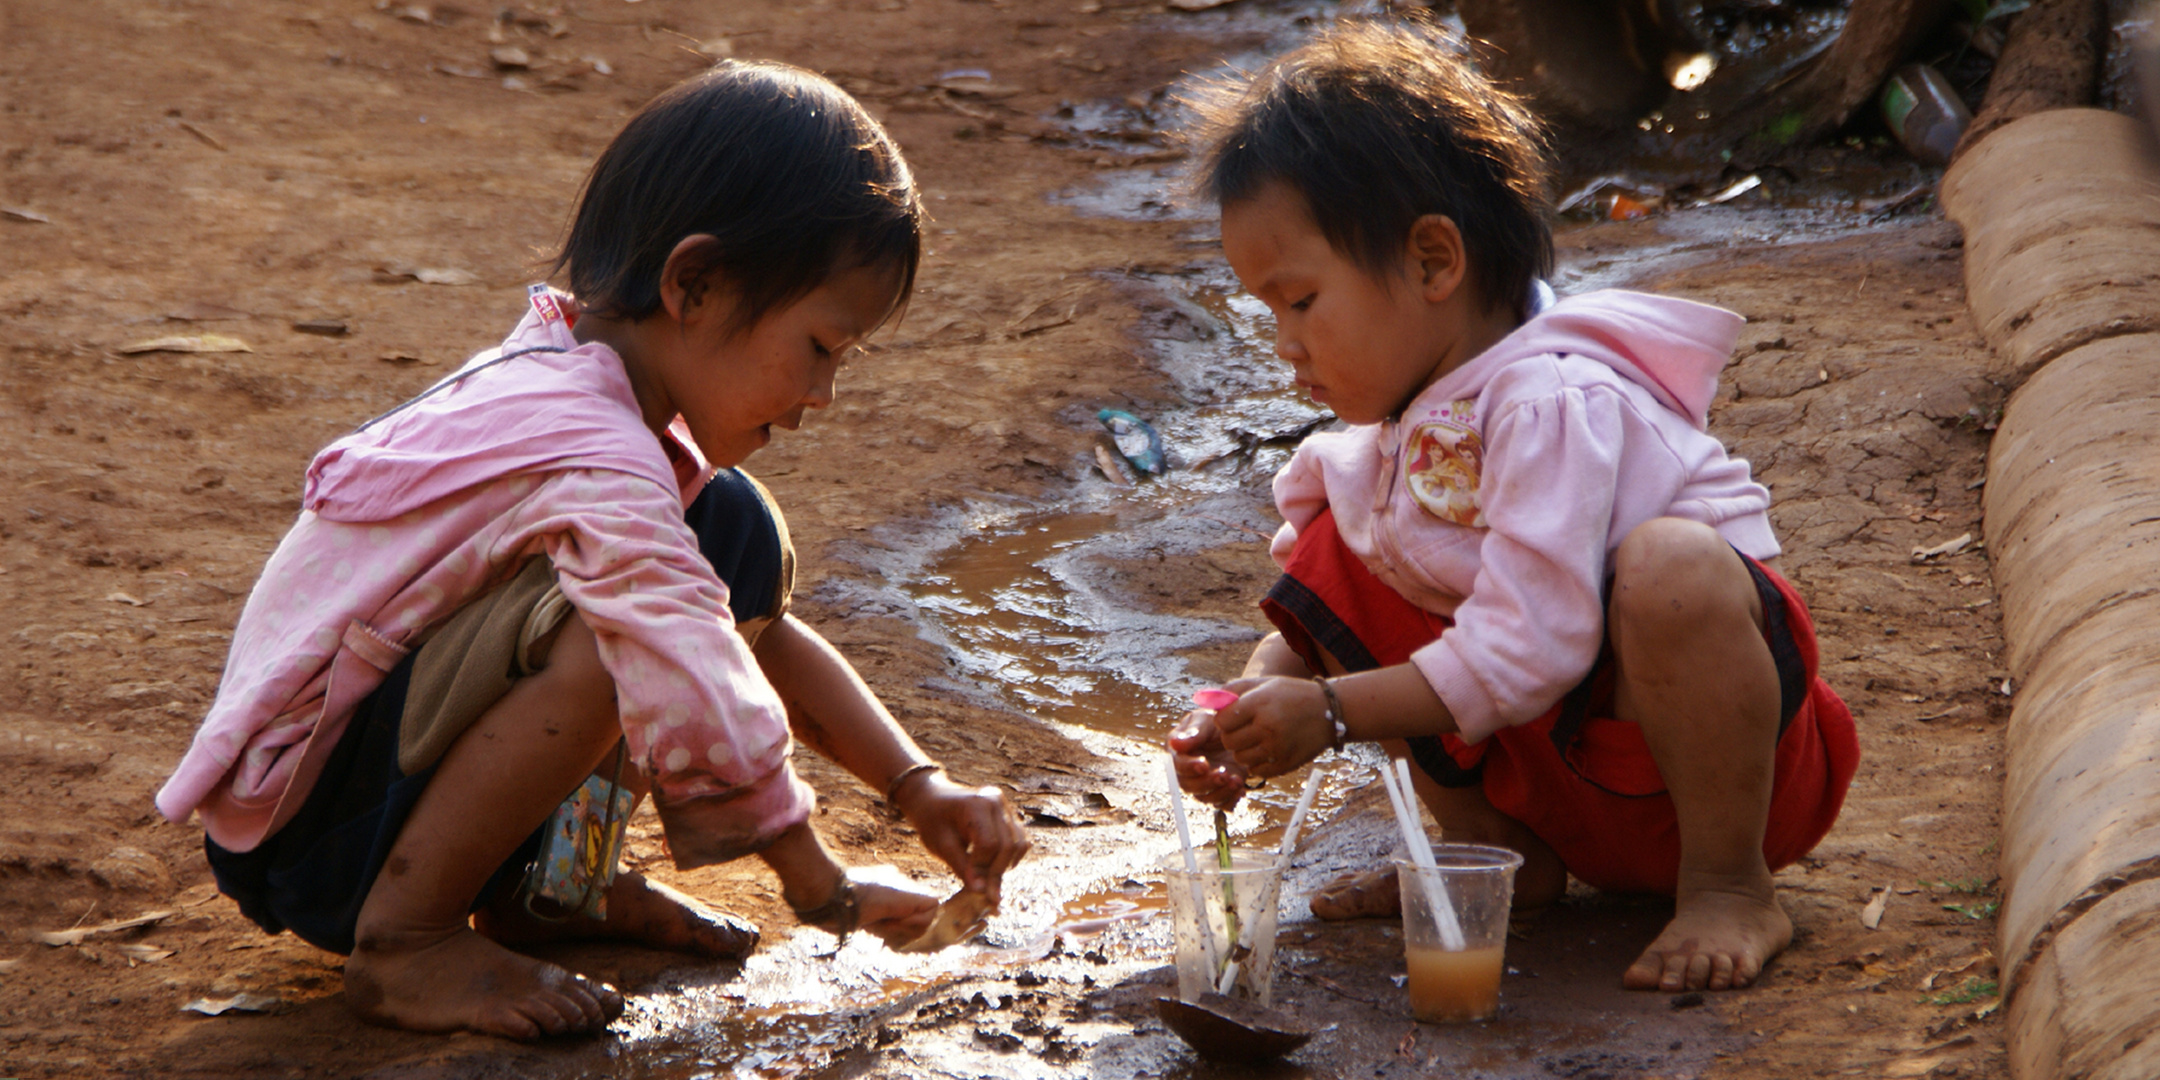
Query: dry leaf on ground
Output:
(253,1003)
(1871,915)
(17,213)
(1947,547)
(188,343)
(80,934)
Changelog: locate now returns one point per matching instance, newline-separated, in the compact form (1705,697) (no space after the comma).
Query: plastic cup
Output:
(1454,985)
(1254,882)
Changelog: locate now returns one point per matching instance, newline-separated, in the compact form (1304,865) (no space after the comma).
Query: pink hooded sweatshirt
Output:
(1499,496)
(426,508)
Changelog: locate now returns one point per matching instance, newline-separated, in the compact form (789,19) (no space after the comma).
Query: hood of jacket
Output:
(1671,347)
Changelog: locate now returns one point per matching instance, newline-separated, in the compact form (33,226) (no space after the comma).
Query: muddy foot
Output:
(463,981)
(1372,894)
(1718,939)
(640,911)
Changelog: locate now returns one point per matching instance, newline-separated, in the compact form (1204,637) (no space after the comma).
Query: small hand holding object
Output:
(1205,768)
(975,831)
(895,914)
(1276,724)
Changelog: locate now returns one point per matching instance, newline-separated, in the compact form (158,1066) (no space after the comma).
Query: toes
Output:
(1643,974)
(1698,971)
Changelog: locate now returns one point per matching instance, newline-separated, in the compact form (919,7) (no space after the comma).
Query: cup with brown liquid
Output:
(1455,976)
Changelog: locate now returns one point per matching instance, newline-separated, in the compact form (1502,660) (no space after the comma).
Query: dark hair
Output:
(786,170)
(1377,124)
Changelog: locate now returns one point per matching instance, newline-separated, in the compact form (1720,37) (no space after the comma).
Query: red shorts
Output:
(1583,781)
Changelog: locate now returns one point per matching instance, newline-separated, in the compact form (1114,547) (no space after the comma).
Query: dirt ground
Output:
(188,167)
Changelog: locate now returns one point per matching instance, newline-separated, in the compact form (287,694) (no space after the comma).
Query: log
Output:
(2073,525)
(2050,60)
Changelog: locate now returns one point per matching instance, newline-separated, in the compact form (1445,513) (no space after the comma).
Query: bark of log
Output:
(2050,60)
(2062,222)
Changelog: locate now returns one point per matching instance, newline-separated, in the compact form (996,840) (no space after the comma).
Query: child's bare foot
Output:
(645,912)
(1370,894)
(1719,938)
(460,980)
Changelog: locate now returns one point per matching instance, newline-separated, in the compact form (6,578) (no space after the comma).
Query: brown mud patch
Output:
(292,163)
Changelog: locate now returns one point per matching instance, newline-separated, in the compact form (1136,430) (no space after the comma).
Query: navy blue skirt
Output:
(313,874)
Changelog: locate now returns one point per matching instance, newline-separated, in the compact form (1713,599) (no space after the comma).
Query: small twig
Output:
(207,138)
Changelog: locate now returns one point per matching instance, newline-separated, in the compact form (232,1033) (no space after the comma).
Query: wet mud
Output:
(1033,621)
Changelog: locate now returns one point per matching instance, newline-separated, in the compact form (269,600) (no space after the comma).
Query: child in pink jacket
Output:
(540,590)
(1525,564)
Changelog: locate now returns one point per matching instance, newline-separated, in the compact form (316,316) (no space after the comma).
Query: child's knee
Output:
(571,673)
(1674,571)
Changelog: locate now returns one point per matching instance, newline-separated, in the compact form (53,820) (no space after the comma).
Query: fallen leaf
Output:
(426,275)
(201,312)
(418,13)
(1947,547)
(1871,915)
(17,213)
(78,935)
(510,58)
(1918,1066)
(959,918)
(253,1003)
(9,965)
(599,65)
(197,895)
(118,597)
(402,358)
(322,327)
(445,276)
(138,953)
(462,71)
(1953,970)
(186,343)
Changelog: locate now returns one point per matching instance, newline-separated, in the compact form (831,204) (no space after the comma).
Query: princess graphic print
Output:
(1446,456)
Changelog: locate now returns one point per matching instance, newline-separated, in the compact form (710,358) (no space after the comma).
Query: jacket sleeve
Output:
(1535,617)
(698,714)
(1300,496)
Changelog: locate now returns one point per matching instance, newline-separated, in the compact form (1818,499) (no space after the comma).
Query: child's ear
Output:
(1436,252)
(686,278)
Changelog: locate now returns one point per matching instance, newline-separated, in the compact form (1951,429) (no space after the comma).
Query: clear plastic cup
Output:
(1453,982)
(1252,885)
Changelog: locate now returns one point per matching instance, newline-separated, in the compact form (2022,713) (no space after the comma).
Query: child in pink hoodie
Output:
(744,232)
(1525,564)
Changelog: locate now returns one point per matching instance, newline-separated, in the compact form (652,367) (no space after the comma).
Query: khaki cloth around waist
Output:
(470,662)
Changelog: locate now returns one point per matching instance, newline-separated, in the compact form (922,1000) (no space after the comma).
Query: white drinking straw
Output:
(1297,816)
(1400,794)
(1192,864)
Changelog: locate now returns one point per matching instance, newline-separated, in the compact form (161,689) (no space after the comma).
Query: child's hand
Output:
(1205,768)
(1276,724)
(896,914)
(974,830)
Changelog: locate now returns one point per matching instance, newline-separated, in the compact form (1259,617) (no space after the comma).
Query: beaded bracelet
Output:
(1339,732)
